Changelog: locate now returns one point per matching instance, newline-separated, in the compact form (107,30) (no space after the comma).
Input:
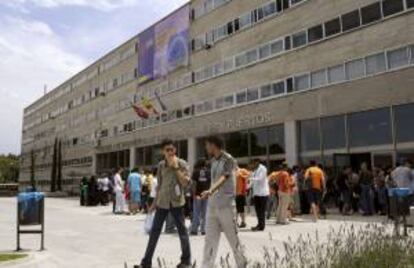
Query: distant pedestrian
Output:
(314,178)
(119,188)
(260,187)
(201,182)
(366,179)
(284,183)
(242,182)
(134,186)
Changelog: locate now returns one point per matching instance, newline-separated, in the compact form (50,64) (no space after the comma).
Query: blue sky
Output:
(47,41)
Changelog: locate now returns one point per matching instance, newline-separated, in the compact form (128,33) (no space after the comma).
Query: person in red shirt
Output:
(242,180)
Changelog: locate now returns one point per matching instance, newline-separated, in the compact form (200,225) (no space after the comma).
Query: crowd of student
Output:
(207,195)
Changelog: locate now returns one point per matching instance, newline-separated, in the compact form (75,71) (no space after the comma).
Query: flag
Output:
(139,111)
(162,104)
(146,102)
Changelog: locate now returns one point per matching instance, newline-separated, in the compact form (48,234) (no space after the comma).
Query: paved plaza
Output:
(93,237)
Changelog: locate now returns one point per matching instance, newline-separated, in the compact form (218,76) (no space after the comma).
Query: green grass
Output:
(11,257)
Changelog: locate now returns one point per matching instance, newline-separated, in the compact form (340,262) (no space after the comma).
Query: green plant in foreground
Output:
(11,257)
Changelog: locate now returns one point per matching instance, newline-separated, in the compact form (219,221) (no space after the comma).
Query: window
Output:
(294,2)
(370,128)
(287,43)
(355,69)
(333,132)
(245,20)
(371,13)
(301,82)
(228,65)
(229,100)
(410,3)
(397,58)
(218,68)
(266,91)
(332,27)
(251,56)
(318,78)
(241,97)
(375,63)
(237,144)
(299,39)
(252,94)
(391,7)
(315,33)
(336,74)
(289,84)
(264,51)
(221,32)
(404,120)
(258,142)
(269,9)
(278,88)
(350,20)
(309,135)
(412,53)
(276,137)
(241,60)
(276,47)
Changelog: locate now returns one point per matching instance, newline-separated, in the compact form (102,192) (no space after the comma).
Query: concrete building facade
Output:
(284,80)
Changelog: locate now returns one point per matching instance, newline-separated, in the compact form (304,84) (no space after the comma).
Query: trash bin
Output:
(30,211)
(30,208)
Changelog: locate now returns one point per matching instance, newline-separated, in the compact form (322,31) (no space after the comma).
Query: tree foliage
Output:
(9,168)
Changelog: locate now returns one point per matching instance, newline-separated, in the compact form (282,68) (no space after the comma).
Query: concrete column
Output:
(192,152)
(291,143)
(132,157)
(94,164)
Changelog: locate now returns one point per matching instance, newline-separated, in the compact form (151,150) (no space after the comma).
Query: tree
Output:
(54,171)
(59,166)
(9,168)
(32,168)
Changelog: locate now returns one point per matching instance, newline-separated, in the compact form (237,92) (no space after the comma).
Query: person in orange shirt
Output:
(242,180)
(314,178)
(273,198)
(284,183)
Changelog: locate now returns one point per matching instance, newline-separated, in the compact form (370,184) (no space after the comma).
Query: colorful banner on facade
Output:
(164,46)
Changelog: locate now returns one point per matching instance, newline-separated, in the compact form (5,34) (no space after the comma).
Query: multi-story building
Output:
(281,80)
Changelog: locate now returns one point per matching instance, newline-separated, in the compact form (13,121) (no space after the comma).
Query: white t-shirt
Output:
(119,183)
(153,193)
(260,183)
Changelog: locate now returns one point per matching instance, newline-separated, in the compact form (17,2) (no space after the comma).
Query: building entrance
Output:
(352,160)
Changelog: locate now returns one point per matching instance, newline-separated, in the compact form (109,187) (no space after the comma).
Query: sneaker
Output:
(193,233)
(203,233)
(141,266)
(242,225)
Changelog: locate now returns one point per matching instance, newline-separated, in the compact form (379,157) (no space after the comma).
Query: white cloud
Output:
(31,55)
(103,5)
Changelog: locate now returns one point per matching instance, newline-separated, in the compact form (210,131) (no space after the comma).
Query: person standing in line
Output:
(242,180)
(314,178)
(220,214)
(119,189)
(367,184)
(273,202)
(104,185)
(403,176)
(173,177)
(284,182)
(145,190)
(154,187)
(134,185)
(260,186)
(201,182)
(345,193)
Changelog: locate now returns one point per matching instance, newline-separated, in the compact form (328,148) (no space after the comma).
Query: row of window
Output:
(71,86)
(206,7)
(354,69)
(83,161)
(318,32)
(257,15)
(361,129)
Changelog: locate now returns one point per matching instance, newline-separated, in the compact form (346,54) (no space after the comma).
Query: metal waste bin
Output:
(30,212)
(399,207)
